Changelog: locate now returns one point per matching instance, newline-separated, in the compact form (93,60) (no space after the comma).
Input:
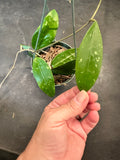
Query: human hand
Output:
(59,135)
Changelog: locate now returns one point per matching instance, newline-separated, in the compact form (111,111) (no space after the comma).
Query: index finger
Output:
(64,97)
(68,95)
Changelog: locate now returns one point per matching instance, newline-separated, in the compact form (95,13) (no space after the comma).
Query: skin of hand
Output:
(59,135)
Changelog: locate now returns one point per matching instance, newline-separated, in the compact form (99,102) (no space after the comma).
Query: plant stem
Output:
(10,69)
(98,6)
(14,63)
(34,51)
(73,22)
(83,26)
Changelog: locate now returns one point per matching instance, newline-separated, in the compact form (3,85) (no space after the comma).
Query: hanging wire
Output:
(11,69)
(13,66)
(42,19)
(46,9)
(73,22)
(78,30)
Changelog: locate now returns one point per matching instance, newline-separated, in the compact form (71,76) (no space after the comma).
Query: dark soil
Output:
(48,55)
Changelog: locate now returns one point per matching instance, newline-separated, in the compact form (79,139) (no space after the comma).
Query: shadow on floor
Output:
(5,155)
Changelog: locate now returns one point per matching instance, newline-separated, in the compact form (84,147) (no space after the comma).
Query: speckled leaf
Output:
(49,29)
(89,58)
(63,58)
(43,76)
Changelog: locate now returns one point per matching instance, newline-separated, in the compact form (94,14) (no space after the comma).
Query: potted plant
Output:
(55,63)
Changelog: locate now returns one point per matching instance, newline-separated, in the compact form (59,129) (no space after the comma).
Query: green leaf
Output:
(64,63)
(30,54)
(89,58)
(43,76)
(49,30)
(66,69)
(63,58)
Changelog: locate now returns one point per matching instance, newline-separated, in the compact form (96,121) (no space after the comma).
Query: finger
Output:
(93,106)
(64,97)
(73,108)
(90,121)
(84,113)
(92,97)
(68,95)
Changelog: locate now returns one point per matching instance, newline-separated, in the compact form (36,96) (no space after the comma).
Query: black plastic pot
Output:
(65,45)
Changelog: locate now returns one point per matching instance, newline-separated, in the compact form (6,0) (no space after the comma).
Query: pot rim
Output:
(67,46)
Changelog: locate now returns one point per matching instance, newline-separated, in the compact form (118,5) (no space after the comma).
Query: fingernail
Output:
(89,91)
(81,96)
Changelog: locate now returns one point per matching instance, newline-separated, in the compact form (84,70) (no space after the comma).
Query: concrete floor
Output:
(5,155)
(21,96)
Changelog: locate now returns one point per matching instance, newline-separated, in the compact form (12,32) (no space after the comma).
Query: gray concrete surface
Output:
(21,96)
(5,155)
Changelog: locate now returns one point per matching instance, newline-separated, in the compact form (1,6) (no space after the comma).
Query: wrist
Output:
(26,156)
(33,152)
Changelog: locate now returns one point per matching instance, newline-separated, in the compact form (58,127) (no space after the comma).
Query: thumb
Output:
(73,108)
